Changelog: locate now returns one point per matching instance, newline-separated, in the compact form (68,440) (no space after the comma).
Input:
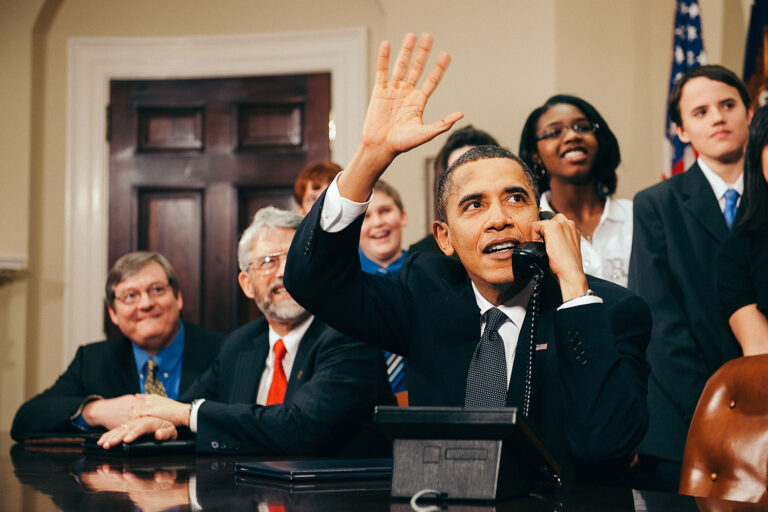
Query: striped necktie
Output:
(152,384)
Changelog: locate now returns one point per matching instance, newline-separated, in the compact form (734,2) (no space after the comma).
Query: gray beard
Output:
(286,311)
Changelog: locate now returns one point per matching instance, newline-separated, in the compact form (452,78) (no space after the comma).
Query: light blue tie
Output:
(731,197)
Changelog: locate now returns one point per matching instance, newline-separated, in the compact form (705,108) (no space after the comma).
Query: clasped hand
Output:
(150,414)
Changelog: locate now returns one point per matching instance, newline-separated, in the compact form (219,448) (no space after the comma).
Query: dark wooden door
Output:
(192,160)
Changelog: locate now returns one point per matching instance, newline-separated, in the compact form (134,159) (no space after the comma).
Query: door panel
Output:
(192,160)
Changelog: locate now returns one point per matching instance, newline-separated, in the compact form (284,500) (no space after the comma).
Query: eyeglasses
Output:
(578,127)
(131,297)
(269,263)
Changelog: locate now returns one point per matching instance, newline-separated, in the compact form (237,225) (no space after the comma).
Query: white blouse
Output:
(607,256)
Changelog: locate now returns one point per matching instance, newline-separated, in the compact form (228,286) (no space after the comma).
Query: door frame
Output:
(94,61)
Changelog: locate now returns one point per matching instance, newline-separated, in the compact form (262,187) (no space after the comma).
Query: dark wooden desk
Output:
(65,479)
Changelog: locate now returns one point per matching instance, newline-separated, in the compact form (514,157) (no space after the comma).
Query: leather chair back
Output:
(726,454)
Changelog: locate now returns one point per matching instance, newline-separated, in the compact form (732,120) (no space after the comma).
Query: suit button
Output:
(215,445)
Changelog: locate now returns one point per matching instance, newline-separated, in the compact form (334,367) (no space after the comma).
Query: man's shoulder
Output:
(614,295)
(662,190)
(104,346)
(245,333)
(195,333)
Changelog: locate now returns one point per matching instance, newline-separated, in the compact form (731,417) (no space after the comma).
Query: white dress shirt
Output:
(719,186)
(607,255)
(291,342)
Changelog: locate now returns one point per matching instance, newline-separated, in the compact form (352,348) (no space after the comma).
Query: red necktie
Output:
(277,388)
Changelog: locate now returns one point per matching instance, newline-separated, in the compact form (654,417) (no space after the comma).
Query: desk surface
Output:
(65,479)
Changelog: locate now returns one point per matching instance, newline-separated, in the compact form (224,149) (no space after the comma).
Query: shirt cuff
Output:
(581,301)
(193,414)
(339,212)
(77,417)
(194,503)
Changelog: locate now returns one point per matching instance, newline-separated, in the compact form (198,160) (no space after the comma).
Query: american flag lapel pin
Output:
(541,346)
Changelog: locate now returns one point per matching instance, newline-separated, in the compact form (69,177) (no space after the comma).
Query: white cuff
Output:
(194,503)
(193,414)
(339,212)
(581,301)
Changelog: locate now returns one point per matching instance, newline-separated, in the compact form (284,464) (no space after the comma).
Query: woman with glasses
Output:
(568,143)
(742,265)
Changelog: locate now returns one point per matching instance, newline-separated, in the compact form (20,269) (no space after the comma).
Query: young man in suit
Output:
(157,353)
(589,373)
(284,384)
(679,225)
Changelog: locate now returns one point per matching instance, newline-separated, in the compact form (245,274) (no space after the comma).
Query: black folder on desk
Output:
(309,470)
(142,447)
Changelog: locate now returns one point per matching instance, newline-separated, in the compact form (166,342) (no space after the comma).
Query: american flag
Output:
(688,53)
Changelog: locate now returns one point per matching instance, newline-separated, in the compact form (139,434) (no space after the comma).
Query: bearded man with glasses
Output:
(158,353)
(285,384)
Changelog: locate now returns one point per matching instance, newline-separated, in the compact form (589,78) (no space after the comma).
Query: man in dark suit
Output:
(284,384)
(678,228)
(98,387)
(588,389)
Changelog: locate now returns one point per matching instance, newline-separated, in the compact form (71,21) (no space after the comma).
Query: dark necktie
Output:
(731,198)
(152,384)
(487,376)
(277,388)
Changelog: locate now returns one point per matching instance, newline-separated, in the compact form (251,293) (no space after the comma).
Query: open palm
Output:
(394,122)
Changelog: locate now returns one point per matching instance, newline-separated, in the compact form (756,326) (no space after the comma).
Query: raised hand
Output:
(394,121)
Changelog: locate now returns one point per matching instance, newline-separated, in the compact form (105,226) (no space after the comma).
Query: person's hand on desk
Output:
(109,412)
(133,429)
(161,407)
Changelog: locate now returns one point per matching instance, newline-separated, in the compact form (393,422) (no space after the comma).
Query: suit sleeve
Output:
(323,274)
(736,285)
(50,411)
(321,415)
(679,368)
(206,385)
(604,376)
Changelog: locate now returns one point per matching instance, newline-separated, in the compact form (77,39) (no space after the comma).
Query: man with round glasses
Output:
(284,384)
(158,353)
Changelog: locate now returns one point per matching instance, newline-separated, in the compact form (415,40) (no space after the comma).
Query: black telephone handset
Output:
(529,259)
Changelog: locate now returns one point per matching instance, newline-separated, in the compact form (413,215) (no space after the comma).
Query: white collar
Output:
(611,210)
(514,308)
(719,186)
(292,339)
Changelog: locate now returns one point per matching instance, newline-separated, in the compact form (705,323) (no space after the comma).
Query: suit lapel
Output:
(701,202)
(248,369)
(457,337)
(189,368)
(544,353)
(126,376)
(300,374)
